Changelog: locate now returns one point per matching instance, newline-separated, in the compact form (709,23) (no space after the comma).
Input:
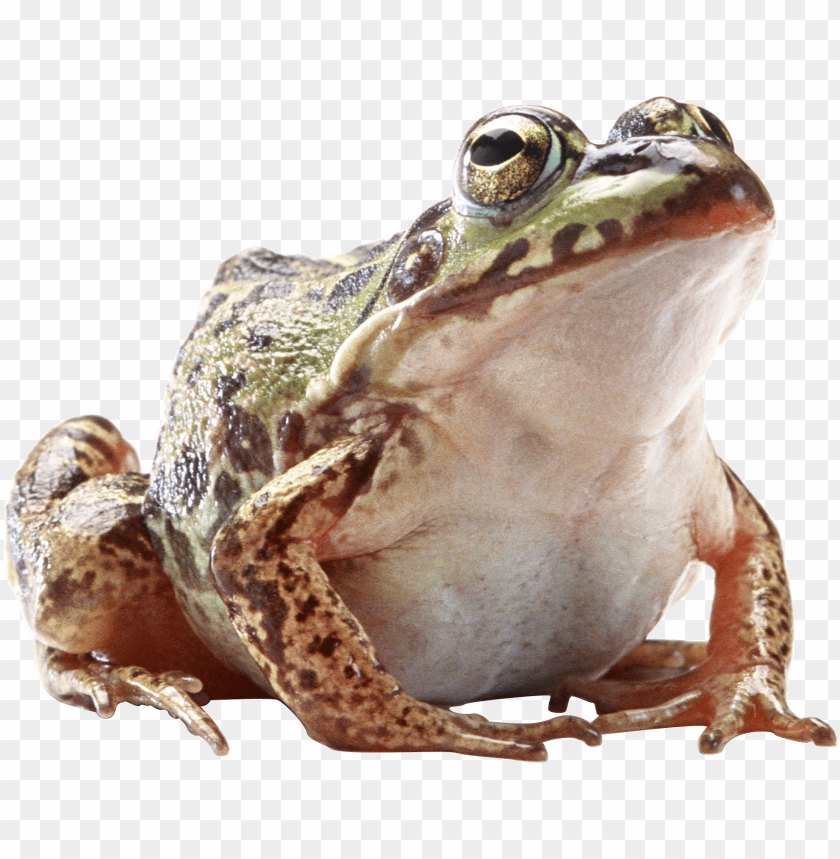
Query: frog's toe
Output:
(727,703)
(569,726)
(173,692)
(85,682)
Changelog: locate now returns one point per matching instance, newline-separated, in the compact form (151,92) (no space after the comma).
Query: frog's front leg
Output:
(736,684)
(83,568)
(312,649)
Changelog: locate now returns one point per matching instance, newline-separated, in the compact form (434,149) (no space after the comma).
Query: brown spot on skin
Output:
(247,442)
(183,486)
(289,430)
(227,387)
(182,553)
(610,229)
(307,609)
(508,255)
(66,587)
(258,342)
(326,647)
(307,678)
(227,492)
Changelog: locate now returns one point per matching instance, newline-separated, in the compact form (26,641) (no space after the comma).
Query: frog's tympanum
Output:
(469,462)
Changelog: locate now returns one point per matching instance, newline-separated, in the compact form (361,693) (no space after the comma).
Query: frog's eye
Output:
(710,124)
(717,128)
(504,158)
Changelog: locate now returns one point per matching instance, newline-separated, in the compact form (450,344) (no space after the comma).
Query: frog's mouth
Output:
(625,197)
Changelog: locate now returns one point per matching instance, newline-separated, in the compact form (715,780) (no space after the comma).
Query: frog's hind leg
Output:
(90,585)
(736,683)
(312,649)
(627,684)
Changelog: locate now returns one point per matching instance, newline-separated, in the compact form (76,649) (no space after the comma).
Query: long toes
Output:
(171,692)
(676,713)
(103,699)
(573,727)
(808,730)
(719,733)
(182,680)
(519,741)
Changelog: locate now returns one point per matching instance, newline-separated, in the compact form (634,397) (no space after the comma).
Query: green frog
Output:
(465,463)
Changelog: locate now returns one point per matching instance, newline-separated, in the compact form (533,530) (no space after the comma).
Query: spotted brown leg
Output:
(311,648)
(734,686)
(90,586)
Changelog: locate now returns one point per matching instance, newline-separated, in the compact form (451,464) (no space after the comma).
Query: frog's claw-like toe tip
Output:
(824,734)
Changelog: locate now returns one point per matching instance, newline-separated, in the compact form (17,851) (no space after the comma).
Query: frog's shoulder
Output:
(279,319)
(257,275)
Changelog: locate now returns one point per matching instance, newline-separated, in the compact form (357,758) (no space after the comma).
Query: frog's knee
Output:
(68,455)
(67,498)
(90,560)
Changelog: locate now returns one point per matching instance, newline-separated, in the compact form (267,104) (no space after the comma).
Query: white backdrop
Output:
(143,143)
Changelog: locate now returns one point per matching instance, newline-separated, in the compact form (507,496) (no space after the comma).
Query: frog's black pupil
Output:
(496,147)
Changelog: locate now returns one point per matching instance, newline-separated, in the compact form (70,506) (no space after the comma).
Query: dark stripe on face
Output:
(509,254)
(610,229)
(564,241)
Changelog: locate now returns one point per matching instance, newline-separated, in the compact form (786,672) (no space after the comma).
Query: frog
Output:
(466,463)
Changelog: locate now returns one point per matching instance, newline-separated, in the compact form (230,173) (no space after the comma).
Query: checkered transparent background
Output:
(143,143)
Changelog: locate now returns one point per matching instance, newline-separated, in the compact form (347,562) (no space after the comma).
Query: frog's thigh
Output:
(79,547)
(89,582)
(309,645)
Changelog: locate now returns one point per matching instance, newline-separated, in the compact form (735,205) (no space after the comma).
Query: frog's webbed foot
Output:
(682,687)
(83,681)
(311,648)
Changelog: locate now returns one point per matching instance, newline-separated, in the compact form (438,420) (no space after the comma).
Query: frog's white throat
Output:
(616,348)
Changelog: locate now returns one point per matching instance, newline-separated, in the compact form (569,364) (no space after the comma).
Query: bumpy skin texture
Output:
(484,436)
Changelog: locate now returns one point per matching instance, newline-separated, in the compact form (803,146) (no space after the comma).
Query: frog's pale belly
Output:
(490,608)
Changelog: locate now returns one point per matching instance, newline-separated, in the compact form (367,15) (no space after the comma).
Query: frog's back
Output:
(268,326)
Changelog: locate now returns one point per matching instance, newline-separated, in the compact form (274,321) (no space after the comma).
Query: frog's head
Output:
(566,258)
